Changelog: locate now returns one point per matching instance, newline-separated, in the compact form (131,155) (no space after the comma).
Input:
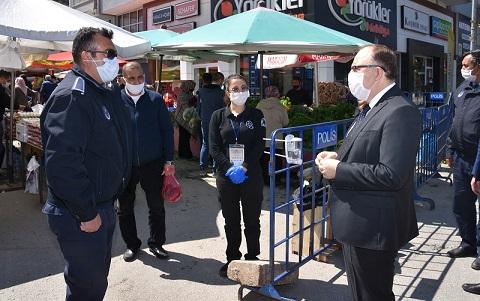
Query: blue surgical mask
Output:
(109,70)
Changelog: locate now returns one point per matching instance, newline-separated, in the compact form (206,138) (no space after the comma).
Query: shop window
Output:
(132,21)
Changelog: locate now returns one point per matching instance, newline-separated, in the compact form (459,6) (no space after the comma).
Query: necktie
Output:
(360,117)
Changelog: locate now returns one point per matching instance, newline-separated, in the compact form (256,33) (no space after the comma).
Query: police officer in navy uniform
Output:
(462,150)
(236,144)
(153,155)
(86,141)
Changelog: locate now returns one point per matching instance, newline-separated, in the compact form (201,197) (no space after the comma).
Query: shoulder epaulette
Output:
(79,85)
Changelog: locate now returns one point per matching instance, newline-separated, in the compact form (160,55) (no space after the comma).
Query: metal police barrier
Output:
(305,194)
(432,148)
(305,191)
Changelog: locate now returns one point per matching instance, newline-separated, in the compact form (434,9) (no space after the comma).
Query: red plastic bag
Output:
(171,189)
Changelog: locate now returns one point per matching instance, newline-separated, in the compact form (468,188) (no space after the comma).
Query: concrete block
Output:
(257,273)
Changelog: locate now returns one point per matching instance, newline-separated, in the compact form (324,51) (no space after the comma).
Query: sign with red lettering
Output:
(274,61)
(186,9)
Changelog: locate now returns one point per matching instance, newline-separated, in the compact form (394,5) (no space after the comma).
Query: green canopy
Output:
(157,36)
(263,30)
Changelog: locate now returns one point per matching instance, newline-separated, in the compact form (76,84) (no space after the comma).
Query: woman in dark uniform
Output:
(236,144)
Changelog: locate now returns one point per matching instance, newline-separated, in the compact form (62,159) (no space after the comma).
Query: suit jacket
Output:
(372,205)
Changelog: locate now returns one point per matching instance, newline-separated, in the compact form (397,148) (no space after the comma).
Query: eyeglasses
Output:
(236,90)
(358,67)
(110,53)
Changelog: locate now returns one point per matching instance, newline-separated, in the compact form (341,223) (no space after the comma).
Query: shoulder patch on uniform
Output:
(79,85)
(263,122)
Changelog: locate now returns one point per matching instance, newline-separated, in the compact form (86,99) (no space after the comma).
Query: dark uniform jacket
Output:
(152,128)
(465,132)
(87,145)
(372,203)
(250,128)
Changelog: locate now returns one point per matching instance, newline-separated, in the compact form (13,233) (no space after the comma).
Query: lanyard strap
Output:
(235,131)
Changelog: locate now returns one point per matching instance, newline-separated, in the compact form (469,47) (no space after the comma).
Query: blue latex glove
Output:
(236,174)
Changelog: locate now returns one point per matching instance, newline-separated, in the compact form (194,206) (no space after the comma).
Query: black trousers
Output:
(184,150)
(250,195)
(151,180)
(464,202)
(87,255)
(369,273)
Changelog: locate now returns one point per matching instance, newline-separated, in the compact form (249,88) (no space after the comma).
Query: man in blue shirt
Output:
(152,159)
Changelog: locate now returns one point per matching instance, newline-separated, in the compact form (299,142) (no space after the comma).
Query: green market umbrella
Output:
(157,36)
(263,30)
(266,30)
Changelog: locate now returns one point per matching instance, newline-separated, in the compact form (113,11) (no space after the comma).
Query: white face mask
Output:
(468,76)
(109,70)
(134,89)
(355,84)
(239,98)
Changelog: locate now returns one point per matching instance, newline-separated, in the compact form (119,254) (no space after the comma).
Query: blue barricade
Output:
(299,241)
(432,148)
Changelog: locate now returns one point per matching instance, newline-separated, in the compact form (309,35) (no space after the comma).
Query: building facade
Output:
(428,36)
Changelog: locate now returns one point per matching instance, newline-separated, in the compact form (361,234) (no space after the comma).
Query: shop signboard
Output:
(439,28)
(162,15)
(463,34)
(181,28)
(325,136)
(373,21)
(275,61)
(226,8)
(415,20)
(186,9)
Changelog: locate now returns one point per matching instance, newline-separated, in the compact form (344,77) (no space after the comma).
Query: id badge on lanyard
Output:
(236,152)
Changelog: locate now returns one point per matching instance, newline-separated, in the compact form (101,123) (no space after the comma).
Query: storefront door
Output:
(422,74)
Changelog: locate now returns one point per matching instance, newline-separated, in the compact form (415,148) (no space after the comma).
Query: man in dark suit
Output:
(372,209)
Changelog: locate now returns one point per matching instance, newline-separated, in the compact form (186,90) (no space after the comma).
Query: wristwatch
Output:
(169,162)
